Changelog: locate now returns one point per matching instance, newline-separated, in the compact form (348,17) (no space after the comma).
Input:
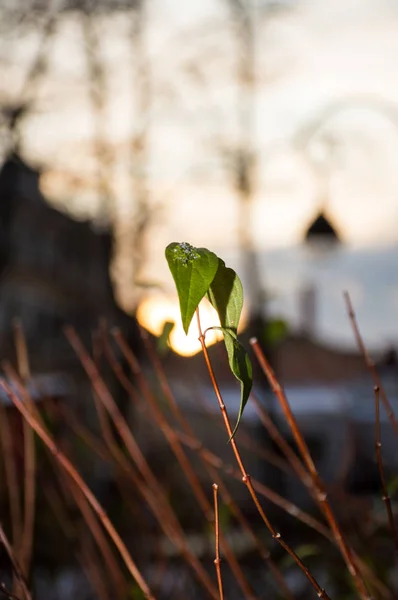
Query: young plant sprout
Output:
(197,273)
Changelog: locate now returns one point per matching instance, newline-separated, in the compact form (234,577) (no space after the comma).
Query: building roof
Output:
(299,359)
(321,229)
(296,360)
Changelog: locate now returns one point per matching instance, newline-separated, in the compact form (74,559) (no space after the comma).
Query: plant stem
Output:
(66,483)
(282,444)
(287,506)
(370,362)
(8,594)
(155,494)
(29,456)
(217,560)
(15,565)
(209,466)
(386,497)
(70,469)
(246,477)
(320,492)
(11,474)
(179,453)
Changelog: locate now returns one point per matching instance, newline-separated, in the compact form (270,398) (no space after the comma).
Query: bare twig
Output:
(167,522)
(83,555)
(8,594)
(209,466)
(386,497)
(156,496)
(216,463)
(246,477)
(13,487)
(319,489)
(283,503)
(247,441)
(217,560)
(139,148)
(15,565)
(282,444)
(119,583)
(182,459)
(369,362)
(94,569)
(70,469)
(98,90)
(26,542)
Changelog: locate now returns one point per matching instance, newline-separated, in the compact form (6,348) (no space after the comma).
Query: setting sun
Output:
(155,311)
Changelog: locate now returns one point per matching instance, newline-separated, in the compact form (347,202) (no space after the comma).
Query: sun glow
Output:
(155,311)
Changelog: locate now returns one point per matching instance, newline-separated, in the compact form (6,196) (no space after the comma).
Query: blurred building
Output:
(54,270)
(321,230)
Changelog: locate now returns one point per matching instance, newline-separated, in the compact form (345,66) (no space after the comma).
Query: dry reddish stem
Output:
(119,582)
(217,560)
(167,523)
(8,594)
(156,496)
(25,551)
(246,477)
(386,497)
(248,442)
(209,466)
(70,469)
(15,565)
(282,444)
(181,457)
(216,463)
(11,476)
(284,504)
(320,492)
(93,568)
(85,557)
(370,363)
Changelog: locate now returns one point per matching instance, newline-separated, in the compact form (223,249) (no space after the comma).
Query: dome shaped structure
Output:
(322,230)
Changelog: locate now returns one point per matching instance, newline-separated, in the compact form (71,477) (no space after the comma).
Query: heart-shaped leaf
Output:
(197,272)
(226,295)
(193,270)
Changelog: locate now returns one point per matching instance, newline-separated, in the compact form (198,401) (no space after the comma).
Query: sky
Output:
(326,63)
(308,59)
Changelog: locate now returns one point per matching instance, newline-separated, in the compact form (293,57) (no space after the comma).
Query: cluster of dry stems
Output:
(118,446)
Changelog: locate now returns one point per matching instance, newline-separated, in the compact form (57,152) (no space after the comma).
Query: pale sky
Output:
(308,59)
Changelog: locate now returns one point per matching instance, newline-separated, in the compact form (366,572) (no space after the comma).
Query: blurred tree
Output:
(99,97)
(182,86)
(244,161)
(25,17)
(248,20)
(139,144)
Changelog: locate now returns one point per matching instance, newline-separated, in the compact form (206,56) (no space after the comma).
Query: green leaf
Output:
(137,593)
(193,270)
(197,272)
(304,551)
(226,295)
(241,367)
(392,486)
(164,337)
(275,331)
